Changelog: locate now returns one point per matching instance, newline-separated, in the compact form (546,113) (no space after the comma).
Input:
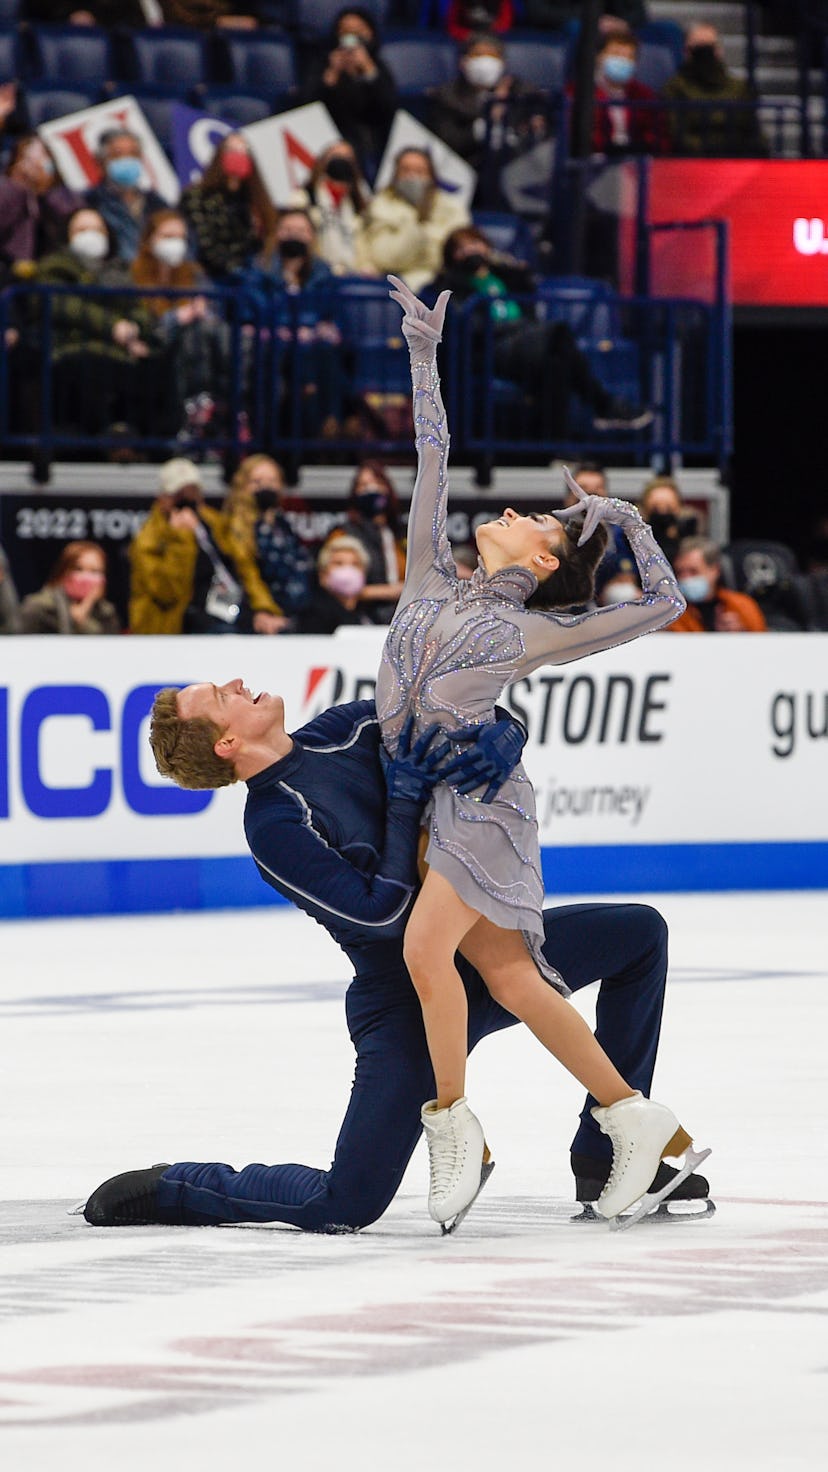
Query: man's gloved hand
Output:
(493,753)
(416,769)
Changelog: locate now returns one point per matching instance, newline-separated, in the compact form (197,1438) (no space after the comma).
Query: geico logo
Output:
(602,709)
(92,708)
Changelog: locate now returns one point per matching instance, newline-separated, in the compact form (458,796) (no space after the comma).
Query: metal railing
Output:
(324,373)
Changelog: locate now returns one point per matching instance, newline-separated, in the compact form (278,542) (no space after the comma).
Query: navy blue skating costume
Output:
(322,832)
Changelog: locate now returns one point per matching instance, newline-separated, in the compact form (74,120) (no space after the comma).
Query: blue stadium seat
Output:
(313,19)
(418,61)
(239,108)
(259,65)
(663,33)
(44,102)
(589,306)
(370,325)
(157,103)
(67,55)
(508,233)
(540,60)
(11,58)
(656,64)
(168,58)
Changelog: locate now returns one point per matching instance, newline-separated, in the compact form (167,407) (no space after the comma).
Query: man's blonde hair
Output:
(182,749)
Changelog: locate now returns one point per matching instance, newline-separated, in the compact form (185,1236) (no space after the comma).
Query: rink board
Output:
(670,764)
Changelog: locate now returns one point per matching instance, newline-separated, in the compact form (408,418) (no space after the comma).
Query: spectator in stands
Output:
(407,223)
(342,566)
(623,587)
(34,207)
(102,345)
(628,117)
(467,18)
(374,521)
(543,358)
(708,131)
(73,600)
(619,16)
(195,337)
(336,197)
(121,196)
(256,519)
(12,119)
(290,278)
(9,607)
(485,98)
(229,211)
(711,608)
(189,573)
(661,506)
(355,85)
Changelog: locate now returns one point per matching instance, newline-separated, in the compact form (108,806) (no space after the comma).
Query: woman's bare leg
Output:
(436,926)
(513,979)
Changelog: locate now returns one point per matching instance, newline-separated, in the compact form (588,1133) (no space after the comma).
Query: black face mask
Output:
(341,170)
(292,250)
(704,65)
(472,263)
(267,498)
(372,503)
(183,501)
(665,526)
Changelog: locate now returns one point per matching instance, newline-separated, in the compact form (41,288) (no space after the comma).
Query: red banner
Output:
(778,214)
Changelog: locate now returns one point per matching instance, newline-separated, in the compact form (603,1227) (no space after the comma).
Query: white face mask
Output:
(620,592)
(169,249)
(483,71)
(90,245)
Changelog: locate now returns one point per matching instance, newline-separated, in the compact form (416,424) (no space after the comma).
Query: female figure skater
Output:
(452,647)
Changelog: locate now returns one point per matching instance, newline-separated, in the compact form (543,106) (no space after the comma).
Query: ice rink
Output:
(525,1342)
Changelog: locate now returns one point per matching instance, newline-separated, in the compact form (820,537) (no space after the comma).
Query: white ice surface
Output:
(526,1342)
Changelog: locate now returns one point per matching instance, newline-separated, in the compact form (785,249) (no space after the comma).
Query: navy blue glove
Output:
(492,756)
(416,769)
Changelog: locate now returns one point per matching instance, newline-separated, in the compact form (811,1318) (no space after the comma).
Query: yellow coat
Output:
(162,562)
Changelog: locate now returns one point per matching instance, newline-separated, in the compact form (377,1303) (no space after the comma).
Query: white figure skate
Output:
(642,1134)
(459,1161)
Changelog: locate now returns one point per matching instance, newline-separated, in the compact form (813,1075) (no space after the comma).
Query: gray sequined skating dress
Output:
(454,645)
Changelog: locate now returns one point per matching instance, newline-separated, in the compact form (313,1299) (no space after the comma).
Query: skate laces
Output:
(443,1155)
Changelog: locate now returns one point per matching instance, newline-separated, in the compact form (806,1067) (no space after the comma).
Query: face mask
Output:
(619,593)
(267,498)
(345,580)
(372,503)
(696,588)
(78,585)
(341,170)
(236,163)
(90,245)
(291,250)
(664,525)
(704,64)
(169,249)
(483,71)
(472,262)
(183,500)
(413,189)
(124,172)
(618,69)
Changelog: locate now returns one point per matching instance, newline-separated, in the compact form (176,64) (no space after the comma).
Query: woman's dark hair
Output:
(253,190)
(573,581)
(379,472)
(363,15)
(462,233)
(358,190)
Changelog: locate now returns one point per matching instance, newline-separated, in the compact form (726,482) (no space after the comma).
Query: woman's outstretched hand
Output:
(595,509)
(422,326)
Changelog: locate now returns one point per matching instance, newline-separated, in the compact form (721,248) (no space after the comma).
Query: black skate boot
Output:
(128,1200)
(591,1176)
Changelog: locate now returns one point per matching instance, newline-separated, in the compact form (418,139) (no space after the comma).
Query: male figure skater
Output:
(339,838)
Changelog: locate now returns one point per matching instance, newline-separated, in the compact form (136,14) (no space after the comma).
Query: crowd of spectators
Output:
(244,567)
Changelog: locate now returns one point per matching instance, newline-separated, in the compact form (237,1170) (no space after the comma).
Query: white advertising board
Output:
(671,750)
(285,147)
(73,141)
